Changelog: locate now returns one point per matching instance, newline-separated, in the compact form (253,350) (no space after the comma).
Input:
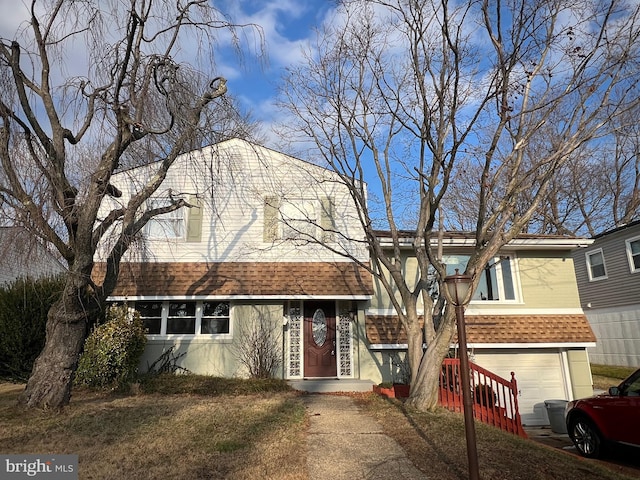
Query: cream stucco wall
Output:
(580,371)
(548,280)
(545,279)
(219,357)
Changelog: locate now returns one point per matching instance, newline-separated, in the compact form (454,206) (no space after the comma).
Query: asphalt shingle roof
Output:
(240,278)
(383,329)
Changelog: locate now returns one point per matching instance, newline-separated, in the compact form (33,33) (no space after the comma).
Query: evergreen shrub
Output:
(112,350)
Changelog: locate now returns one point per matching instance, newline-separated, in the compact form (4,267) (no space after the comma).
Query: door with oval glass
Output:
(320,339)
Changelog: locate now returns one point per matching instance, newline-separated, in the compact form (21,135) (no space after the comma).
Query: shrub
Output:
(112,350)
(258,345)
(24,304)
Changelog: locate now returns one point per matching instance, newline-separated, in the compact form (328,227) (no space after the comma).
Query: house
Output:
(525,317)
(239,259)
(608,275)
(23,256)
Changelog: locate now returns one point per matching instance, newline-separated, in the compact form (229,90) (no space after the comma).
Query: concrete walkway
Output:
(344,443)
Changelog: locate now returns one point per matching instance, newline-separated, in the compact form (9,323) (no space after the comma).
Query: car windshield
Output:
(631,387)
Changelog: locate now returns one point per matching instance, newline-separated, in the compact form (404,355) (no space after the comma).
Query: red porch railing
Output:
(495,400)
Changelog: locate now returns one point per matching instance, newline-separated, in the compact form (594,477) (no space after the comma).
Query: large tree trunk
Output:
(424,389)
(49,385)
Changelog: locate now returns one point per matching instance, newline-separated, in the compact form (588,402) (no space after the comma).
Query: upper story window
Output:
(168,225)
(497,279)
(185,317)
(633,253)
(595,265)
(299,219)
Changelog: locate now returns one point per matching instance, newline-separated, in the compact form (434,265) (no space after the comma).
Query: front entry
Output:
(320,339)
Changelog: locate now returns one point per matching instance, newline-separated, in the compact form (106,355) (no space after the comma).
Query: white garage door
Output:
(539,375)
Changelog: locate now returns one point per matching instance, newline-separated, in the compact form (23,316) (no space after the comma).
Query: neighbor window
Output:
(168,225)
(595,265)
(497,281)
(633,253)
(185,317)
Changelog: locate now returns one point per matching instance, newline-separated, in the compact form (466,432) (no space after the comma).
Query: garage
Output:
(539,373)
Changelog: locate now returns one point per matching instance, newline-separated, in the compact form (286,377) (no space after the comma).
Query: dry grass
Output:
(160,436)
(605,376)
(435,442)
(204,428)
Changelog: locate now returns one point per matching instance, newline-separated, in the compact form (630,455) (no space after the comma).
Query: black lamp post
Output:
(458,287)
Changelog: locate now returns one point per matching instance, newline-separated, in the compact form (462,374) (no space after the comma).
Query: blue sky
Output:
(288,25)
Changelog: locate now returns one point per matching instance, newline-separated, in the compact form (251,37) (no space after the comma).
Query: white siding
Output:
(233,179)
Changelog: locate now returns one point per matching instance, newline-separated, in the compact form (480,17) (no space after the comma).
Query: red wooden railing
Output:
(495,400)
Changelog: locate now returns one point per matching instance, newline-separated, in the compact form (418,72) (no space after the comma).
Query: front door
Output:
(320,339)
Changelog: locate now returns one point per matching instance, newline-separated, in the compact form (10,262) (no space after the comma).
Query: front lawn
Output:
(191,427)
(199,433)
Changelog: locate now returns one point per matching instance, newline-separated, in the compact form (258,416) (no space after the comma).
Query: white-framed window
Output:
(299,219)
(595,265)
(498,280)
(633,253)
(169,225)
(185,317)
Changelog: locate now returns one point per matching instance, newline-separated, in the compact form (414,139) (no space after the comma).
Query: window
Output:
(497,281)
(215,317)
(182,318)
(299,219)
(595,265)
(633,253)
(185,317)
(168,225)
(151,315)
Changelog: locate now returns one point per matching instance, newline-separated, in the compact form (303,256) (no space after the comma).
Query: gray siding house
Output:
(22,256)
(608,274)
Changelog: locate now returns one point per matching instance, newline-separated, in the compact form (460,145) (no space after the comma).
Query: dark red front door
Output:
(320,339)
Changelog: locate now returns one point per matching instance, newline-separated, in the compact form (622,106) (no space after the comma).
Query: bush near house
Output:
(112,350)
(24,304)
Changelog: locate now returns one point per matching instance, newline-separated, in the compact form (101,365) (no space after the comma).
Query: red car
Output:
(596,422)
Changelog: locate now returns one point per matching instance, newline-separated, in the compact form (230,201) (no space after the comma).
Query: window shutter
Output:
(270,227)
(327,220)
(194,220)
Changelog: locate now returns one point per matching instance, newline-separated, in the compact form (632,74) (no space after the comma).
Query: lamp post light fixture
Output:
(458,287)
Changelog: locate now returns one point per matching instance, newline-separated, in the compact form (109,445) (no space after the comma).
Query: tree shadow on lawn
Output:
(161,436)
(435,442)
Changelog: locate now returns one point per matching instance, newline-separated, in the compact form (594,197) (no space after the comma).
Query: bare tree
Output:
(259,345)
(597,189)
(86,86)
(401,93)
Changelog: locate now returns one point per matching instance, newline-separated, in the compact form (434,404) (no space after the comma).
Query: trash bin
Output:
(555,412)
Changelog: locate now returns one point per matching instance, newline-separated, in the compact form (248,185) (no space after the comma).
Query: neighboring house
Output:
(608,274)
(202,276)
(23,256)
